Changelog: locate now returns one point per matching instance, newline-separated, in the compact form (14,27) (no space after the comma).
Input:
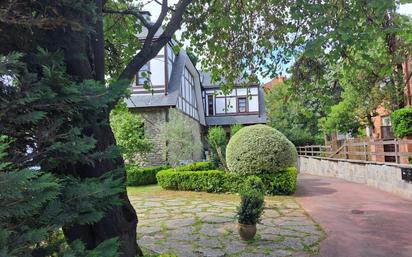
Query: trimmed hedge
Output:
(217,181)
(137,176)
(196,166)
(402,122)
(259,149)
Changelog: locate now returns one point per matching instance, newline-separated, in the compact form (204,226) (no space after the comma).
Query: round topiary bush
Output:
(259,149)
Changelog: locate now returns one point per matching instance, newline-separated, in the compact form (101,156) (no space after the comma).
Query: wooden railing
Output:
(395,151)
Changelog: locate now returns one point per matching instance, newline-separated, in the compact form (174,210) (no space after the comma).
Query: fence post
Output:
(346,151)
(365,148)
(397,157)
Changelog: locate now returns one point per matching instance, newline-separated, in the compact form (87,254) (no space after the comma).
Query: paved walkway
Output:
(200,224)
(359,221)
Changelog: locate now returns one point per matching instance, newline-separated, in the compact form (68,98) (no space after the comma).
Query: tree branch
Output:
(136,13)
(152,47)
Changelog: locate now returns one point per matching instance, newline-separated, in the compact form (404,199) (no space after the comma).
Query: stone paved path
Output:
(360,221)
(198,224)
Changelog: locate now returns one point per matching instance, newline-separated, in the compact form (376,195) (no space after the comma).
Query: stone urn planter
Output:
(246,232)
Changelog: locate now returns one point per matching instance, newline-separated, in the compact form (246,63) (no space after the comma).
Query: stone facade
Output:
(386,177)
(153,117)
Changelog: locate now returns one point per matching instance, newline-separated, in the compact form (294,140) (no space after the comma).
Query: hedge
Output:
(217,181)
(196,166)
(137,176)
(402,122)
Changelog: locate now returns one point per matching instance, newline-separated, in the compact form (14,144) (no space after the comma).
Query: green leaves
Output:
(129,131)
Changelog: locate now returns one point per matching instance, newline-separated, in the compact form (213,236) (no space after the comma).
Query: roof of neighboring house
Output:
(274,82)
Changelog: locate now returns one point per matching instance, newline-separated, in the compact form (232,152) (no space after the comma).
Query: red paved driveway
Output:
(360,221)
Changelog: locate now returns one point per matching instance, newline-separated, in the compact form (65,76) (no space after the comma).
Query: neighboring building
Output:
(382,123)
(176,83)
(276,81)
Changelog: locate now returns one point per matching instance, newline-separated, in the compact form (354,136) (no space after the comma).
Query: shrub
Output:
(216,137)
(402,122)
(235,128)
(251,206)
(128,129)
(217,181)
(205,181)
(281,183)
(259,149)
(137,176)
(197,166)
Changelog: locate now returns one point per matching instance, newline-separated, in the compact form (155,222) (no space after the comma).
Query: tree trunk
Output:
(120,221)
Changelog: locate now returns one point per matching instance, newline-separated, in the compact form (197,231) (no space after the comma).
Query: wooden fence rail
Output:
(395,151)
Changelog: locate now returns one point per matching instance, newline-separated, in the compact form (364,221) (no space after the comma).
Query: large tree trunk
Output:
(120,221)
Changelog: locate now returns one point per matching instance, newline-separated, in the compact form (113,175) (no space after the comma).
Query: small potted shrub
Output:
(251,208)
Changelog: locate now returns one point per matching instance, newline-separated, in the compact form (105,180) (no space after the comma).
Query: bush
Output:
(137,176)
(281,183)
(196,166)
(235,128)
(218,181)
(259,149)
(251,206)
(402,122)
(205,181)
(216,137)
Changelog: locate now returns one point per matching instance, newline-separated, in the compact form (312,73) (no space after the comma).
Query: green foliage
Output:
(218,181)
(181,136)
(402,122)
(281,183)
(137,176)
(294,115)
(205,181)
(196,166)
(235,128)
(259,149)
(43,115)
(216,137)
(251,205)
(128,129)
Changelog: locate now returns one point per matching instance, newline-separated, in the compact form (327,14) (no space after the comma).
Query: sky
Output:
(154,9)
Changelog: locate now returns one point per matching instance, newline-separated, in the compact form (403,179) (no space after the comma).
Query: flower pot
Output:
(246,232)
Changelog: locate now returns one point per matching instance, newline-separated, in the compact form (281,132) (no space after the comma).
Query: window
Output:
(241,104)
(210,105)
(143,75)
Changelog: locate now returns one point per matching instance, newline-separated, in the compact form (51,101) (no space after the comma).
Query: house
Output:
(382,127)
(276,81)
(177,84)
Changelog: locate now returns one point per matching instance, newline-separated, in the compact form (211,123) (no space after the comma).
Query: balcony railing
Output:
(386,132)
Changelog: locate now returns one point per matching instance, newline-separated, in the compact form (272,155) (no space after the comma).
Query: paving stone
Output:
(291,242)
(210,230)
(216,219)
(310,240)
(197,228)
(148,229)
(152,204)
(210,252)
(209,242)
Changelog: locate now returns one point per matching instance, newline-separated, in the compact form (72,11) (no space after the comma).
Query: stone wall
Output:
(152,118)
(386,177)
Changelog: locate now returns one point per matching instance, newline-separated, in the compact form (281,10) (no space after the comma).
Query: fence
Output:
(394,151)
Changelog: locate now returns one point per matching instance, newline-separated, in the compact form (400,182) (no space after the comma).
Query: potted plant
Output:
(249,211)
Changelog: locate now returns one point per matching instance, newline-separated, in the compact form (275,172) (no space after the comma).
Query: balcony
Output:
(386,132)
